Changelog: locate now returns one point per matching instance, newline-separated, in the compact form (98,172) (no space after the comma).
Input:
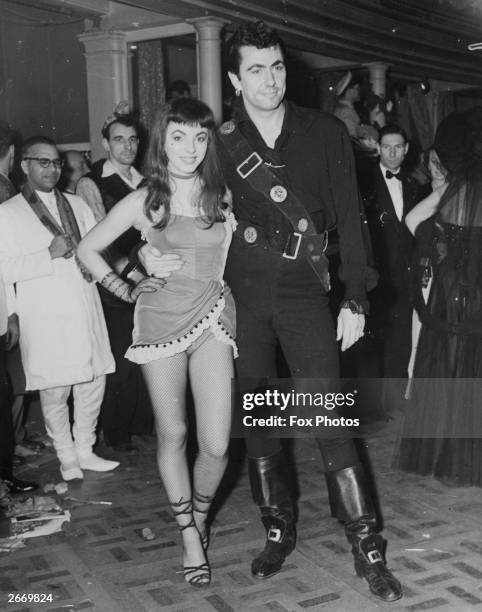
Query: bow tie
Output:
(390,175)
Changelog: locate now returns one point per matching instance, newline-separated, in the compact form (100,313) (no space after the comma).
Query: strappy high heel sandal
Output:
(203,499)
(196,575)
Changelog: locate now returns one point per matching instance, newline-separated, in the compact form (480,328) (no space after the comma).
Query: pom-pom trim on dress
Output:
(144,353)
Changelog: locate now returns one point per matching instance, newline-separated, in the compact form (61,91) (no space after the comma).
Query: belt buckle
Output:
(297,247)
(247,161)
(374,556)
(274,534)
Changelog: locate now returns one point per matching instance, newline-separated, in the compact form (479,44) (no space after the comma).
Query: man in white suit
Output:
(63,340)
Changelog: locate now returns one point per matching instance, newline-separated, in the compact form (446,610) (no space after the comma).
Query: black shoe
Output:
(351,502)
(196,575)
(370,564)
(270,488)
(280,542)
(14,485)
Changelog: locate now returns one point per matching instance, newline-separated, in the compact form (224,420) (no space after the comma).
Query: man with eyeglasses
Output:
(126,406)
(63,341)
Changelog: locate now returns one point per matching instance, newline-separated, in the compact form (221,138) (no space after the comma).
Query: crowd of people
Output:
(122,289)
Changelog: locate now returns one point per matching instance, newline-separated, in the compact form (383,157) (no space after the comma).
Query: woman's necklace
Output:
(184,177)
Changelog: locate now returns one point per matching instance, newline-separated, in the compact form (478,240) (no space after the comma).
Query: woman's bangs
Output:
(191,112)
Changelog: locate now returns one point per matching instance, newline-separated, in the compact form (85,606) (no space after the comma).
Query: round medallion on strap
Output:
(278,193)
(303,224)
(227,127)
(250,234)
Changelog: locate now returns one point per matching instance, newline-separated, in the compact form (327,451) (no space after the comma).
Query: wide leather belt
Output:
(296,244)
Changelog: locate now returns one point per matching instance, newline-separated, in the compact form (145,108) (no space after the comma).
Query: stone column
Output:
(107,79)
(208,38)
(378,80)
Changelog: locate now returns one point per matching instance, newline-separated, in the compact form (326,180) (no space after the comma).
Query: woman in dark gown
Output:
(442,433)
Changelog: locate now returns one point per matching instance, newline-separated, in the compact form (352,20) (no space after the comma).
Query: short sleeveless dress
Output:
(194,298)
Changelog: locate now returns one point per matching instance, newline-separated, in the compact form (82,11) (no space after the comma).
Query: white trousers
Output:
(87,400)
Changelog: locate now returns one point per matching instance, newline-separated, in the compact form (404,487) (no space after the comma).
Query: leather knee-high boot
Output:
(351,503)
(271,492)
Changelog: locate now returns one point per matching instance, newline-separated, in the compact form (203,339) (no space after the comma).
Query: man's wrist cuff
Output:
(356,306)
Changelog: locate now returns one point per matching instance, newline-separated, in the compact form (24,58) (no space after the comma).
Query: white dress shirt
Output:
(50,201)
(395,188)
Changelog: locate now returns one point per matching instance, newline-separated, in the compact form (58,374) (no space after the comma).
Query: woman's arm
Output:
(121,217)
(424,209)
(125,214)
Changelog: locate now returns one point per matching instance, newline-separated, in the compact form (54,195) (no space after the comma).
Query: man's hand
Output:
(349,328)
(61,246)
(13,331)
(158,264)
(147,285)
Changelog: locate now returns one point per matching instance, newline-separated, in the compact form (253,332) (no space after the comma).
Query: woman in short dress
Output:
(185,327)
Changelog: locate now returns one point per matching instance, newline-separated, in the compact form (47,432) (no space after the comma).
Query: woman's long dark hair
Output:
(190,112)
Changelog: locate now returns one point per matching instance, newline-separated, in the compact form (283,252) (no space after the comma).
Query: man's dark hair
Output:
(392,128)
(35,140)
(128,120)
(255,34)
(7,138)
(180,87)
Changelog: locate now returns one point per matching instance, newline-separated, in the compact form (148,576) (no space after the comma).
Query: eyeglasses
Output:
(45,162)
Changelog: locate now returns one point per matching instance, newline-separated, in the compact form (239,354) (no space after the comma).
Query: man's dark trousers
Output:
(282,301)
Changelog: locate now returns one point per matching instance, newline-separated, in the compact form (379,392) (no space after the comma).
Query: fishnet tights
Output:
(210,369)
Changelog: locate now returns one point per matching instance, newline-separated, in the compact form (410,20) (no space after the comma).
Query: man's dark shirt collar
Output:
(292,122)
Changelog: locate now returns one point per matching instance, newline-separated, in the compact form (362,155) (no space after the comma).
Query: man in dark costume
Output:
(279,297)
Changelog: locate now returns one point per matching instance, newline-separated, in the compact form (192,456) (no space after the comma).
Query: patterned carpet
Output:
(102,562)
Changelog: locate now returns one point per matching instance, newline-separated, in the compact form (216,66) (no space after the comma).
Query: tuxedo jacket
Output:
(391,240)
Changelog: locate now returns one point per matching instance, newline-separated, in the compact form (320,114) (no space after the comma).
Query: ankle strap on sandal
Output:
(200,498)
(181,508)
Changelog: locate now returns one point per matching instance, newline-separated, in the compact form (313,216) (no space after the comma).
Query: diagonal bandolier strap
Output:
(251,168)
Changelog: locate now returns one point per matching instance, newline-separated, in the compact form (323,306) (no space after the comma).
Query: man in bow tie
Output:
(388,195)
(63,341)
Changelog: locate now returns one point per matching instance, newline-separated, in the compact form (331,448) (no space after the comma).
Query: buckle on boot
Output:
(274,534)
(374,556)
